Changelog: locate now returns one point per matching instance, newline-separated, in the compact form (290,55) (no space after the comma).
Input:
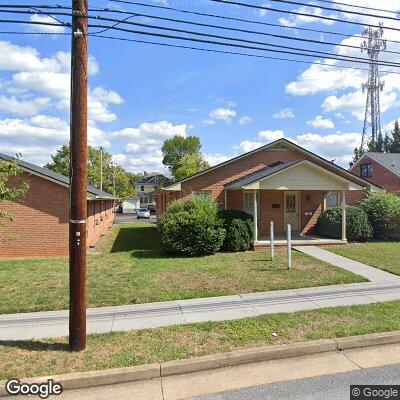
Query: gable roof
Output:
(92,192)
(391,161)
(153,179)
(288,144)
(262,174)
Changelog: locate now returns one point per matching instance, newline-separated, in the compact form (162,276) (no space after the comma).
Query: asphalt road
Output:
(131,218)
(328,387)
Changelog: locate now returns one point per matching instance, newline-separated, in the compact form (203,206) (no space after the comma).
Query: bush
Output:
(239,227)
(383,210)
(357,225)
(192,227)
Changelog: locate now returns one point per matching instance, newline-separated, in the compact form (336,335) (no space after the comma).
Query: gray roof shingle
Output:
(390,160)
(263,173)
(55,177)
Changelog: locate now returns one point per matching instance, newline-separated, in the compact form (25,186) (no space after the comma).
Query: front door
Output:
(292,210)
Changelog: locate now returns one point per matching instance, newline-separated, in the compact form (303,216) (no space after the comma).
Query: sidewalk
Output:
(383,287)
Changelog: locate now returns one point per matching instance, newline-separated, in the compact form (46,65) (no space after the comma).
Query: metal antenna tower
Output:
(373,45)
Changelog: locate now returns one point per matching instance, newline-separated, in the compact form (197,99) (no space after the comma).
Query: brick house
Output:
(41,226)
(382,169)
(280,182)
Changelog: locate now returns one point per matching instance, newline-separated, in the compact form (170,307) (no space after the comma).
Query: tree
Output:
(183,156)
(15,192)
(124,183)
(395,144)
(190,164)
(357,155)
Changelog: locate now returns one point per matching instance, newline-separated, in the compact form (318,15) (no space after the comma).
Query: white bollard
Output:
(271,235)
(289,245)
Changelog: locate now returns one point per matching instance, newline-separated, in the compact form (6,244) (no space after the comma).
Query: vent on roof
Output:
(275,164)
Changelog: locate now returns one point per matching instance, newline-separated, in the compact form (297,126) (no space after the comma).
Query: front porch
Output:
(292,194)
(297,240)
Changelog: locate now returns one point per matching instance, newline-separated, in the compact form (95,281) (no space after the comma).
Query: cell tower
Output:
(373,45)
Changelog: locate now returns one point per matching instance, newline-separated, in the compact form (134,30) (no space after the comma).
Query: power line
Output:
(237,53)
(217,16)
(331,9)
(289,49)
(303,14)
(117,22)
(357,6)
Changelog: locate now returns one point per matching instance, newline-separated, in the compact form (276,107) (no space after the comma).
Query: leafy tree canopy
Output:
(183,156)
(124,180)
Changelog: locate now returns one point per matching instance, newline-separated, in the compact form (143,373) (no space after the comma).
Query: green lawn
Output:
(47,357)
(131,269)
(382,255)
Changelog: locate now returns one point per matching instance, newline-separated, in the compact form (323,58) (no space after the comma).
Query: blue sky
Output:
(142,94)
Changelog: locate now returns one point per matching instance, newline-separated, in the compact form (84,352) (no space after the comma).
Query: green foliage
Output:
(383,210)
(183,156)
(239,228)
(190,164)
(357,225)
(192,227)
(124,181)
(395,144)
(9,169)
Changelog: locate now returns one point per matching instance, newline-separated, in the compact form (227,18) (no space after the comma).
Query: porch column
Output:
(344,215)
(255,216)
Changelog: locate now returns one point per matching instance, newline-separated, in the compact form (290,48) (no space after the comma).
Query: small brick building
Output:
(382,169)
(280,182)
(41,224)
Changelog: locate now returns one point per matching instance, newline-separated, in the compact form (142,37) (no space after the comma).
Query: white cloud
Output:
(323,78)
(221,114)
(246,146)
(321,123)
(45,28)
(270,136)
(245,120)
(13,105)
(214,159)
(152,130)
(338,146)
(285,113)
(312,12)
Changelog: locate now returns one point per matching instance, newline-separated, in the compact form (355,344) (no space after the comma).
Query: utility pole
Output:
(101,167)
(373,45)
(113,165)
(78,177)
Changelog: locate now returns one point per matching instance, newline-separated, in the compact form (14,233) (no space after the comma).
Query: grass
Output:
(382,255)
(131,268)
(48,357)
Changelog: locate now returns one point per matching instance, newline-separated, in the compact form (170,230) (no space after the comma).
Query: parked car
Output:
(143,213)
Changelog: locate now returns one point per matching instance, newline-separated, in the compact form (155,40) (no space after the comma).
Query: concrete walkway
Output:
(371,273)
(383,287)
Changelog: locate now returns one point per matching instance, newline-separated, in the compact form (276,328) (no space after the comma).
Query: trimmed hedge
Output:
(192,227)
(357,225)
(383,210)
(239,228)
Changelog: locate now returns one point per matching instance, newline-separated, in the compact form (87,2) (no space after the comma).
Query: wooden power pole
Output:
(78,178)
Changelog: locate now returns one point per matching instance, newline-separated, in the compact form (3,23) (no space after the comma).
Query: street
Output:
(328,387)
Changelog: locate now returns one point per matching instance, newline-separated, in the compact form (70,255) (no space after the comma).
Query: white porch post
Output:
(255,215)
(344,215)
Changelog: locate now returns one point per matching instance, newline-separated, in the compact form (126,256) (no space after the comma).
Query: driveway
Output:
(131,218)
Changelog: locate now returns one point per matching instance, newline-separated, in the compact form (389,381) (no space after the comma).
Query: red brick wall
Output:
(312,201)
(41,220)
(381,176)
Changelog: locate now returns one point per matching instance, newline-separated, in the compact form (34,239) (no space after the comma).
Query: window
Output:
(332,200)
(248,203)
(366,170)
(142,188)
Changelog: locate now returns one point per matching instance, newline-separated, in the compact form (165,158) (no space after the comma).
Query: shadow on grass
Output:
(34,345)
(137,239)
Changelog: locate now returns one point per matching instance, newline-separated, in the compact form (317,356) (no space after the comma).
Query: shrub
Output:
(192,227)
(357,225)
(239,227)
(383,210)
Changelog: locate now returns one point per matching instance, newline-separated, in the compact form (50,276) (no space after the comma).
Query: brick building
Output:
(280,182)
(41,226)
(382,169)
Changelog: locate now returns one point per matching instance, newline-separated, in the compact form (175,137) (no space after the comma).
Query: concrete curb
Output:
(151,371)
